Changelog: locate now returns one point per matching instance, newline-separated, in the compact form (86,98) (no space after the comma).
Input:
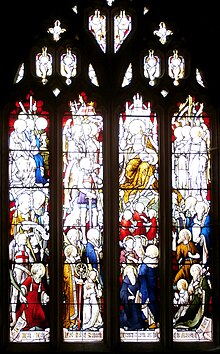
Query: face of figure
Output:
(127,215)
(94,236)
(139,207)
(22,239)
(200,210)
(138,242)
(22,168)
(129,244)
(151,213)
(189,208)
(196,271)
(152,251)
(23,203)
(33,240)
(184,236)
(19,124)
(72,236)
(37,272)
(37,277)
(93,275)
(38,199)
(182,284)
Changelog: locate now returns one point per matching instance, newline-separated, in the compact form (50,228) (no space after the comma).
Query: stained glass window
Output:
(110,218)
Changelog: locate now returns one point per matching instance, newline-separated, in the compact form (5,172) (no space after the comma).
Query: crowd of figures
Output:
(138,200)
(82,218)
(29,218)
(139,238)
(191,245)
(29,243)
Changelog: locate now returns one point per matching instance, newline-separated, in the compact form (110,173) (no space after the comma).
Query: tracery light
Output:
(163,32)
(199,78)
(176,67)
(68,65)
(56,91)
(122,28)
(20,73)
(152,67)
(92,75)
(164,93)
(110,2)
(74,8)
(44,65)
(56,30)
(97,26)
(128,76)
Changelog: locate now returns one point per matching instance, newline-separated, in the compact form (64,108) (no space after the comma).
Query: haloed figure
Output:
(32,297)
(92,293)
(131,315)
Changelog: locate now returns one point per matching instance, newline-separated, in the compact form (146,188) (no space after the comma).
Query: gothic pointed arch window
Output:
(108,140)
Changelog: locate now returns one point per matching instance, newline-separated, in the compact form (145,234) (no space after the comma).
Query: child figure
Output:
(181,299)
(152,232)
(33,297)
(126,225)
(92,293)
